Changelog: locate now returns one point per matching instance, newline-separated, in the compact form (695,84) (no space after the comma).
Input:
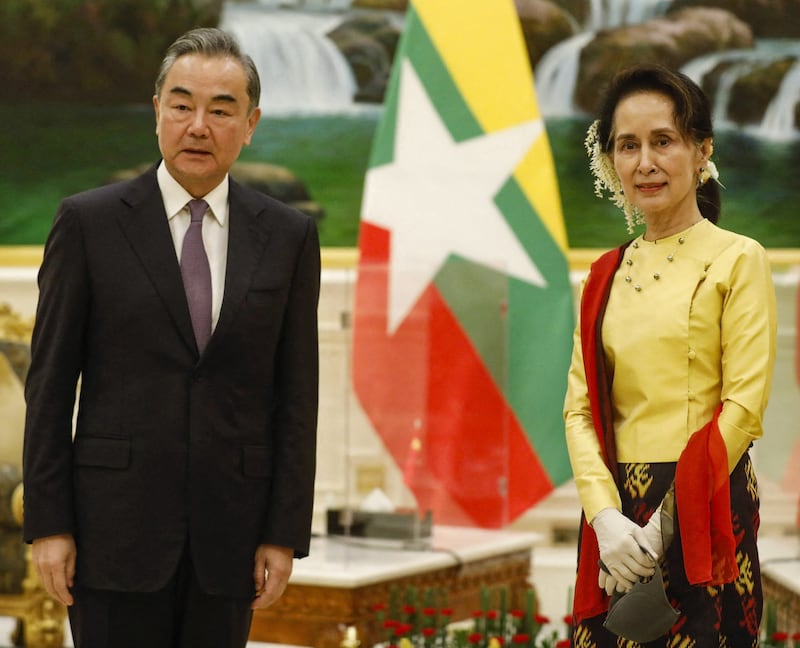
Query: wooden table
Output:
(342,579)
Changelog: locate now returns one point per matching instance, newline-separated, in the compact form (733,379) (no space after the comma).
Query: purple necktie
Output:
(196,274)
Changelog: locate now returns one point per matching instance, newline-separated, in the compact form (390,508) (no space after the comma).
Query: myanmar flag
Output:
(463,309)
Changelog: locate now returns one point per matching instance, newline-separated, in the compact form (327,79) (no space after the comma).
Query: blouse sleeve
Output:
(748,338)
(595,484)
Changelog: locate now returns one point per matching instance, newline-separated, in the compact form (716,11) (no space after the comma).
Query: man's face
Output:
(203,120)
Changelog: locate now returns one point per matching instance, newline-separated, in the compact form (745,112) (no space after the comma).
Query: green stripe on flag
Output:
(478,296)
(416,45)
(526,348)
(540,336)
(540,328)
(533,235)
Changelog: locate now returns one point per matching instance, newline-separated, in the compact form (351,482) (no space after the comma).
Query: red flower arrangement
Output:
(426,622)
(772,637)
(422,620)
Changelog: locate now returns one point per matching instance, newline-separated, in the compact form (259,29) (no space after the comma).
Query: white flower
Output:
(708,172)
(606,178)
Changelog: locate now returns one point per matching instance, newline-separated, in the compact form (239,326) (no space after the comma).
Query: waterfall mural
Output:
(557,72)
(779,121)
(325,64)
(301,69)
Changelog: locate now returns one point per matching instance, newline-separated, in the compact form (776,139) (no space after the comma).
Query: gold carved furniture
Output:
(40,620)
(342,579)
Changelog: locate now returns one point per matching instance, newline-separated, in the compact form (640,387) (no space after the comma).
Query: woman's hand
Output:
(650,538)
(625,558)
(606,581)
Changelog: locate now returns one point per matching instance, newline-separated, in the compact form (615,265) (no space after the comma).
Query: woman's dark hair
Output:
(692,116)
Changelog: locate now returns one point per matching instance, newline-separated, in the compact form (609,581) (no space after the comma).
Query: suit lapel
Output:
(146,228)
(247,237)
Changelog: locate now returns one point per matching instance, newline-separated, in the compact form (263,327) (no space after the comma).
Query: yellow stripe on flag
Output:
(536,175)
(481,44)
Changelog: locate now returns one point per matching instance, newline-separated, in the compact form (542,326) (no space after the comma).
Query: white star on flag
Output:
(437,198)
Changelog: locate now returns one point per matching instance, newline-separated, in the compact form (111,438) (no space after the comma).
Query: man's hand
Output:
(54,557)
(273,566)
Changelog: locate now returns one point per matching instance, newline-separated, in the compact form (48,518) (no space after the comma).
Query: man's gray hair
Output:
(211,42)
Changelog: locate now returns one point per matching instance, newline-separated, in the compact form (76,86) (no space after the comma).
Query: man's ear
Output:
(156,107)
(252,122)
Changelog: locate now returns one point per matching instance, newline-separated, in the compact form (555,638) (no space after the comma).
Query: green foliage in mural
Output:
(91,50)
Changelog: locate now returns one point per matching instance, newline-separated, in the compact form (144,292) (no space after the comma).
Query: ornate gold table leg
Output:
(43,618)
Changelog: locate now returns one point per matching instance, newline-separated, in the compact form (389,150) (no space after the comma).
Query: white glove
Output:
(622,555)
(649,536)
(606,582)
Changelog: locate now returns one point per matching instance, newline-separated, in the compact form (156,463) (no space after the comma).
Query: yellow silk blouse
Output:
(701,334)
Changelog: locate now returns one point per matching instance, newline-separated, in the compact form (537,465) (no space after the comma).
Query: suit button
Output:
(692,354)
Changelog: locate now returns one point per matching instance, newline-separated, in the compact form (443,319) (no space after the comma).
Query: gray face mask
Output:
(642,614)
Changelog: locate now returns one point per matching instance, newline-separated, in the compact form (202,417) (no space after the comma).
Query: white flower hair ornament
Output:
(709,171)
(606,178)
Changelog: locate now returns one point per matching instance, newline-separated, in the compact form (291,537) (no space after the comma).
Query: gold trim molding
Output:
(347,257)
(21,255)
(13,327)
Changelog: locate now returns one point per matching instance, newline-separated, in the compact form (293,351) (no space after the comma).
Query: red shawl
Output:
(702,488)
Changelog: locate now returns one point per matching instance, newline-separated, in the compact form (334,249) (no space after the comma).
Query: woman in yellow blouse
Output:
(670,376)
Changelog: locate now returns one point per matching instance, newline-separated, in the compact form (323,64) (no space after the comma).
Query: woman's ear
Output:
(706,149)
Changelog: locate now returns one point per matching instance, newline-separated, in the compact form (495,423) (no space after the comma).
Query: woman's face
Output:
(656,164)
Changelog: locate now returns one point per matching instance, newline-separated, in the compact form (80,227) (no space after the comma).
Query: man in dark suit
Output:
(187,490)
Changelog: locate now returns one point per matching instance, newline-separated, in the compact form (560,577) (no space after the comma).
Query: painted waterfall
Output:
(314,125)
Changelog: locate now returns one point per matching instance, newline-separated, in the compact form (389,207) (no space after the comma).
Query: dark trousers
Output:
(181,615)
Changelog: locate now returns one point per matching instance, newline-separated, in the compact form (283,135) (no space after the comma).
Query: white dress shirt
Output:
(215,228)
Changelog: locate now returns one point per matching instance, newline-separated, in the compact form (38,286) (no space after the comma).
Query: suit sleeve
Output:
(290,508)
(56,352)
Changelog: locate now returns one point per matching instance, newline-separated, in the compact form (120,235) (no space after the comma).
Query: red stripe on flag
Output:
(425,385)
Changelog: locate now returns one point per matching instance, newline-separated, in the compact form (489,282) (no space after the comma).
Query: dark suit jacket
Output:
(171,446)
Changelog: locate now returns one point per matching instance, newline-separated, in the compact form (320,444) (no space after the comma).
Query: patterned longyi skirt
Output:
(725,616)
